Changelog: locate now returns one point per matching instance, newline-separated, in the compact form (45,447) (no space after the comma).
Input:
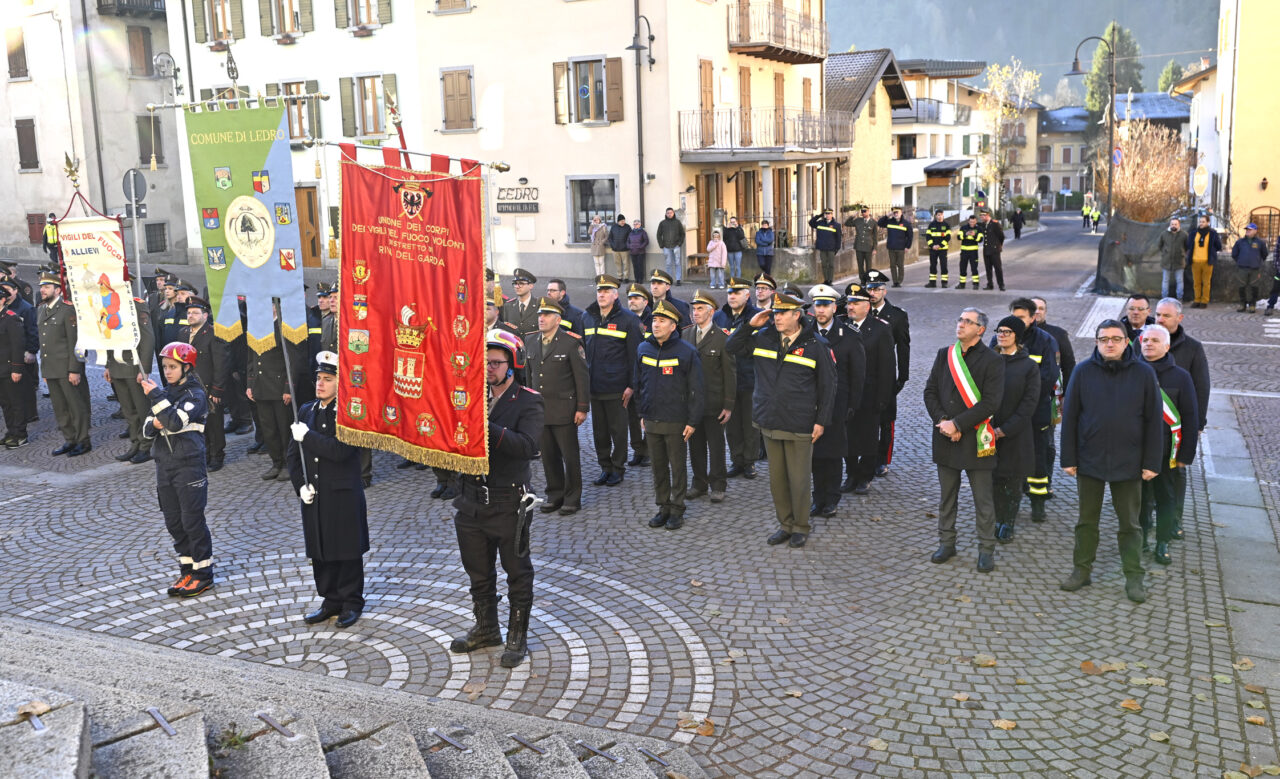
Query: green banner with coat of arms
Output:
(242,168)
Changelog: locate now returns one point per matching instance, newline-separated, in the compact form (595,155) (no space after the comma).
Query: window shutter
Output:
(206,95)
(200,20)
(389,92)
(237,19)
(346,91)
(273,90)
(341,14)
(560,90)
(313,106)
(264,17)
(613,89)
(307,15)
(384,11)
(148,67)
(456,87)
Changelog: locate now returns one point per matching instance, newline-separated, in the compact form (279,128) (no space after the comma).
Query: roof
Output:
(946,167)
(942,68)
(1153,106)
(1189,81)
(1068,119)
(851,78)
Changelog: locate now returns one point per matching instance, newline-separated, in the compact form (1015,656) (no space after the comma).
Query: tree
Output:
(1151,181)
(1171,75)
(1007,94)
(1064,94)
(1128,70)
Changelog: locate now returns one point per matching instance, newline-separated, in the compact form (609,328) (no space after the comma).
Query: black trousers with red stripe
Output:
(884,453)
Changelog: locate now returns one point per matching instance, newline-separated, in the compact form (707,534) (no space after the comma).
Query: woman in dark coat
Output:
(334,521)
(1015,447)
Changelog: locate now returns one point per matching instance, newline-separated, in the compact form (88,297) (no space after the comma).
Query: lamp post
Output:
(1111,106)
(641,46)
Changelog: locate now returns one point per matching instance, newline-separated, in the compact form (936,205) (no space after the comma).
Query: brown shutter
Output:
(560,90)
(308,17)
(807,96)
(389,89)
(200,20)
(273,90)
(237,19)
(744,105)
(456,88)
(613,89)
(341,14)
(313,105)
(346,91)
(384,11)
(264,17)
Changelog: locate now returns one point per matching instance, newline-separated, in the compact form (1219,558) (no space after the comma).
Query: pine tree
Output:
(1171,75)
(1128,71)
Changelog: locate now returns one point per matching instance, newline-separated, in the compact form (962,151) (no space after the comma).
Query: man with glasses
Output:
(1112,434)
(964,390)
(1137,315)
(521,311)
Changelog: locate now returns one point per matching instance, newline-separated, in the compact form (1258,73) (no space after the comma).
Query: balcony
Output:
(930,111)
(769,31)
(1013,140)
(762,134)
(146,8)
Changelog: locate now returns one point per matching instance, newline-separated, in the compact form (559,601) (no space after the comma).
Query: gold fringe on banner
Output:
(473,466)
(228,333)
(297,334)
(260,345)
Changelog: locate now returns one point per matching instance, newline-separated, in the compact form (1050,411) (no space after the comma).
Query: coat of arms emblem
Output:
(410,367)
(358,341)
(355,408)
(426,424)
(412,198)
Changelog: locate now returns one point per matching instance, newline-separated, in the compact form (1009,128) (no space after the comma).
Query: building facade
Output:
(80,76)
(868,85)
(1061,163)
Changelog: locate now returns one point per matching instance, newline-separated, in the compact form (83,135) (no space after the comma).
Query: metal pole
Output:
(137,247)
(288,377)
(1111,127)
(639,116)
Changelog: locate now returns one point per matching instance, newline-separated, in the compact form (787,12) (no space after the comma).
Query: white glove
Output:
(307,493)
(299,430)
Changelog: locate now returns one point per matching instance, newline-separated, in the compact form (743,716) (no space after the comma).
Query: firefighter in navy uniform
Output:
(494,511)
(613,335)
(897,238)
(182,482)
(640,302)
(938,236)
(334,520)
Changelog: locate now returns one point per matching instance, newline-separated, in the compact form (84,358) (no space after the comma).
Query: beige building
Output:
(868,85)
(937,141)
(1061,164)
(723,116)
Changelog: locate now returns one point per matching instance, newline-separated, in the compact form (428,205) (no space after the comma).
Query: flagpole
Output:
(499,166)
(288,377)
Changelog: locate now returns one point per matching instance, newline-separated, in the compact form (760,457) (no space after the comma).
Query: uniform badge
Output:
(288,260)
(222,178)
(361,271)
(798,352)
(360,306)
(391,415)
(355,408)
(426,424)
(210,217)
(261,181)
(462,290)
(460,361)
(461,398)
(284,214)
(357,376)
(358,341)
(668,371)
(217,257)
(460,435)
(461,327)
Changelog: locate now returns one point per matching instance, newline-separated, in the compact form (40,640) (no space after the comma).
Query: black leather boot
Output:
(517,634)
(486,631)
(1037,509)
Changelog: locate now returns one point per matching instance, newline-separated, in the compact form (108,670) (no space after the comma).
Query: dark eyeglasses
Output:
(1111,339)
(1004,331)
(496,363)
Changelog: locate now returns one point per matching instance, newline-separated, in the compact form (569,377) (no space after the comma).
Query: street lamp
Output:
(1111,107)
(638,46)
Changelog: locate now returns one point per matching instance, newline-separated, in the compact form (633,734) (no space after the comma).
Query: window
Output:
(906,147)
(589,198)
(1066,155)
(364,12)
(806,95)
(140,52)
(1013,156)
(219,98)
(1017,186)
(288,17)
(150,139)
(364,103)
(220,18)
(947,145)
(17,49)
(588,89)
(1066,182)
(28,157)
(1045,153)
(35,228)
(455,92)
(157,236)
(453,5)
(372,107)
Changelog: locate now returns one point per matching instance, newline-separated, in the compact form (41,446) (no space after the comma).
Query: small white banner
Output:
(93,254)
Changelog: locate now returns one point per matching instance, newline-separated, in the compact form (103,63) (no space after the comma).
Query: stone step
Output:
(557,761)
(629,765)
(251,749)
(151,752)
(61,749)
(386,752)
(485,760)
(679,762)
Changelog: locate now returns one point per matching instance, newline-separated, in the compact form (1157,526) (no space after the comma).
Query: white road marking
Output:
(1103,308)
(1244,393)
(1086,286)
(1236,343)
(1206,459)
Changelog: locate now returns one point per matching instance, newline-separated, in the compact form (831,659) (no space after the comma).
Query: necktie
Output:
(824,332)
(786,342)
(855,327)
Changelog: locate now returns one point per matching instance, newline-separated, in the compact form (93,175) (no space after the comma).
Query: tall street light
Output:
(638,45)
(1111,107)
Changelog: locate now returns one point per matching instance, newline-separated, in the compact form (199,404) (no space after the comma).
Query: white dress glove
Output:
(299,430)
(307,493)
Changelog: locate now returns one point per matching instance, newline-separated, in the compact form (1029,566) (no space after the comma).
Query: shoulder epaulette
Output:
(532,391)
(573,334)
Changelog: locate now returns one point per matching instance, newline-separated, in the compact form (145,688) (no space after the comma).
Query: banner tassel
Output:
(153,160)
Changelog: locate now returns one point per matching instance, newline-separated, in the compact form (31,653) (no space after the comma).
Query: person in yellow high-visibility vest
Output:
(51,239)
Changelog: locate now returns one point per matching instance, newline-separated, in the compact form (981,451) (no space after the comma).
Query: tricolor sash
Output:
(1057,399)
(1174,420)
(971,395)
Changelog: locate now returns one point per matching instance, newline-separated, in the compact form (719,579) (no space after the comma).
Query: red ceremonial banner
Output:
(411,336)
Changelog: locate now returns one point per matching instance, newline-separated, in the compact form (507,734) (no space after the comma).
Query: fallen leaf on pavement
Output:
(1233,607)
(1255,704)
(1140,664)
(1212,624)
(736,653)
(1130,704)
(1256,720)
(794,692)
(930,515)
(984,661)
(1106,667)
(1201,696)
(695,582)
(706,728)
(965,599)
(1243,664)
(1004,724)
(1234,775)
(961,696)
(878,744)
(1271,769)
(1140,681)
(1251,770)
(473,688)
(1159,735)
(1222,679)
(1156,681)
(33,708)
(1090,667)
(782,620)
(1256,689)
(1020,680)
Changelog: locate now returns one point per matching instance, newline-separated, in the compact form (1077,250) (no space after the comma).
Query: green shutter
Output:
(206,95)
(306,13)
(237,19)
(200,20)
(273,90)
(313,108)
(384,11)
(264,18)
(341,14)
(965,190)
(346,91)
(966,143)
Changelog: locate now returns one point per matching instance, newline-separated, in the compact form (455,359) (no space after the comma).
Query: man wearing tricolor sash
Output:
(1111,437)
(964,389)
(1178,409)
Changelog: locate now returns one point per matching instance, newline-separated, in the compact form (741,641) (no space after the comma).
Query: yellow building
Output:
(867,85)
(1060,164)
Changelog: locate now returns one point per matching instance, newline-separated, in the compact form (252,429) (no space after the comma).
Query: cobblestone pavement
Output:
(853,656)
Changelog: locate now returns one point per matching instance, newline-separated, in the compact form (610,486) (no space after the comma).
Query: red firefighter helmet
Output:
(183,353)
(508,342)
